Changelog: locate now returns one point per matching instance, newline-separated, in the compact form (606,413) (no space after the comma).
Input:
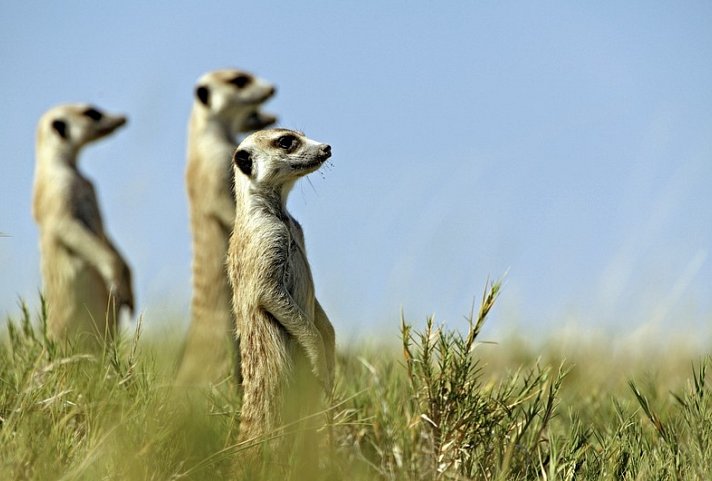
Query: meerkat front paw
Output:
(121,290)
(127,291)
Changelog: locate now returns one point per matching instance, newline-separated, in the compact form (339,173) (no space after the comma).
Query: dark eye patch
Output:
(93,114)
(240,80)
(287,142)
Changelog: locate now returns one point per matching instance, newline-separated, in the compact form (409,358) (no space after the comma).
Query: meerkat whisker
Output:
(312,185)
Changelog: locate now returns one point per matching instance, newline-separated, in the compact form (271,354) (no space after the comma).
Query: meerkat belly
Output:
(92,301)
(74,289)
(64,269)
(269,352)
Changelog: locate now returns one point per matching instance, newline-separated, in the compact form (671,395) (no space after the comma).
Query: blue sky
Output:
(569,145)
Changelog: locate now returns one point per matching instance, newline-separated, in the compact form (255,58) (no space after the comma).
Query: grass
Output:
(442,406)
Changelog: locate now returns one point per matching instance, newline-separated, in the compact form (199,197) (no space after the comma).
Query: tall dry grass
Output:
(443,405)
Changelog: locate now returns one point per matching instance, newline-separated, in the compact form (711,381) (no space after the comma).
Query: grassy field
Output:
(442,405)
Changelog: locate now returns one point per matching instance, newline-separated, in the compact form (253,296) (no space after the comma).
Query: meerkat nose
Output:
(326,150)
(272,91)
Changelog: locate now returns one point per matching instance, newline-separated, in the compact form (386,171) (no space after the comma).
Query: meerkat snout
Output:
(113,124)
(259,120)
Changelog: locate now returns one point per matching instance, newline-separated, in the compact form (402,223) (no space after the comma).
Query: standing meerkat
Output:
(86,279)
(226,104)
(287,342)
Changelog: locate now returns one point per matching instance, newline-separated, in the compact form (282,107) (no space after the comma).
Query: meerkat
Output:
(226,104)
(287,342)
(86,279)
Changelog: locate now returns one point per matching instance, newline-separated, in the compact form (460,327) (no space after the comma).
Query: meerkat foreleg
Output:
(125,282)
(321,320)
(100,254)
(326,329)
(281,306)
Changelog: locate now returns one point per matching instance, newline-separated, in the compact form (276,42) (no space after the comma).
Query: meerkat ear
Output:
(243,160)
(203,95)
(60,126)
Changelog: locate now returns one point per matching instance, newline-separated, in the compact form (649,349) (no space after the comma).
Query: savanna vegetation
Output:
(441,405)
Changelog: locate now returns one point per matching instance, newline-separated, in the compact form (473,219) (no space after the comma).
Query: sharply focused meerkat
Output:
(86,280)
(287,341)
(226,104)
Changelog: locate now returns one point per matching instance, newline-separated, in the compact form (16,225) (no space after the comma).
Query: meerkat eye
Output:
(241,81)
(286,142)
(93,114)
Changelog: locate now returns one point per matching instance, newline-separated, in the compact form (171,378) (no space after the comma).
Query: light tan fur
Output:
(226,104)
(86,279)
(287,341)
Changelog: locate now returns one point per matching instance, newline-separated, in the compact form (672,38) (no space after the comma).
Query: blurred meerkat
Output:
(226,104)
(86,279)
(287,341)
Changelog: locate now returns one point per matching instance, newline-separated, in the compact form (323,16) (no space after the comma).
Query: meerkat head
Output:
(278,157)
(233,97)
(75,125)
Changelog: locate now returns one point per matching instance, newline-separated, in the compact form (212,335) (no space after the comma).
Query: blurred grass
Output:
(443,405)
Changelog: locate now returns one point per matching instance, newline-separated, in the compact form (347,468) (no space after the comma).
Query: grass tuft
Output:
(445,405)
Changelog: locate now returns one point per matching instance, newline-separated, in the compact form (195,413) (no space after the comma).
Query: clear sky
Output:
(568,144)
